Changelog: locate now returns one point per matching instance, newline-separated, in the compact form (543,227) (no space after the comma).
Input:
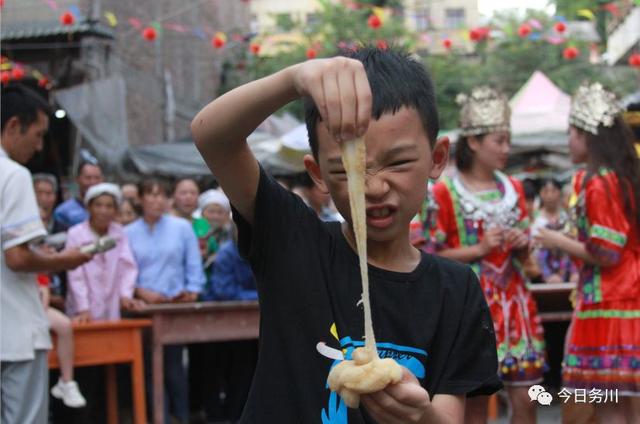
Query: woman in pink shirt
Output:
(98,289)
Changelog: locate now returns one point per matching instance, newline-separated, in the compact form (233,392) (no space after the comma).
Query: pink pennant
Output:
(535,24)
(52,4)
(555,40)
(135,22)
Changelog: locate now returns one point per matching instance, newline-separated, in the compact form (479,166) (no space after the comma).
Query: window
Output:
(454,18)
(422,19)
(312,18)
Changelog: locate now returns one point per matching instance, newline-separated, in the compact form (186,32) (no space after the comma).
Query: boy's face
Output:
(399,163)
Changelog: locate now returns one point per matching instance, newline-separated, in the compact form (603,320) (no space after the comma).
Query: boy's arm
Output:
(338,86)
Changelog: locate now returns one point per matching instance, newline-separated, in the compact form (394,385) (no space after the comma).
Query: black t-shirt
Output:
(433,320)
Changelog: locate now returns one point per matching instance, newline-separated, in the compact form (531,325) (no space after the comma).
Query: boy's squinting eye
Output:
(401,163)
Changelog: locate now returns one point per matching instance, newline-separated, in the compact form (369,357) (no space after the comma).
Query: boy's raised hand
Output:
(340,89)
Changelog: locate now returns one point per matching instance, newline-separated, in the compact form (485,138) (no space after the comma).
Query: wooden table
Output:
(109,343)
(553,301)
(199,322)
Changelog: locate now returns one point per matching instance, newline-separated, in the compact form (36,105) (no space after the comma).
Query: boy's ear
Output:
(314,172)
(439,157)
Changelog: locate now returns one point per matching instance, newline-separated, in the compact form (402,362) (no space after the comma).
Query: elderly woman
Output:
(100,288)
(214,226)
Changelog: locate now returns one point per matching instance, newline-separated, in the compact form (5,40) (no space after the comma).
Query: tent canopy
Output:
(539,107)
(280,155)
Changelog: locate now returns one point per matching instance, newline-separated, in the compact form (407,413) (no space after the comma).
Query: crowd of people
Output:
(182,242)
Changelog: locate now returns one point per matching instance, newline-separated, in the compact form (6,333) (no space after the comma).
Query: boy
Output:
(429,314)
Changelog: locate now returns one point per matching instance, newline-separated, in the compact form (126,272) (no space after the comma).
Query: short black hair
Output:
(87,163)
(553,181)
(149,185)
(397,80)
(24,103)
(182,179)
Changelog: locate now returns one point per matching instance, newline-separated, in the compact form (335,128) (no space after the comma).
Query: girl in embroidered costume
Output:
(482,220)
(555,265)
(603,344)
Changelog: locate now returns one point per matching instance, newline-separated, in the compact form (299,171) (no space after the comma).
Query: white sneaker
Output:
(69,393)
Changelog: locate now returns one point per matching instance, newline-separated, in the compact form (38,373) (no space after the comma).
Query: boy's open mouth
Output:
(380,216)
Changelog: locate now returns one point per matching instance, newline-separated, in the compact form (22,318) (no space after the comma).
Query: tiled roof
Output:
(35,30)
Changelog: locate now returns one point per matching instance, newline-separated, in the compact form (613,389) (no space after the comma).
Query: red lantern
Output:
(560,27)
(5,77)
(382,45)
(524,30)
(374,22)
(570,53)
(475,34)
(217,42)
(149,33)
(254,48)
(67,19)
(17,73)
(447,43)
(634,60)
(311,53)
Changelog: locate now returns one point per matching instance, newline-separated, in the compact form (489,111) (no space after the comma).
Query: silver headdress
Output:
(483,111)
(592,106)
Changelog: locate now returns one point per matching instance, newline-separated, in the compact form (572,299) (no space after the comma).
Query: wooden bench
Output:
(109,343)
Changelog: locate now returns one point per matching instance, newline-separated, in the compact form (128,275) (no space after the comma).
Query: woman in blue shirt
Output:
(170,270)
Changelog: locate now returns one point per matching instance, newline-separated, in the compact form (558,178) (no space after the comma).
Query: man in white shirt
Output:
(24,329)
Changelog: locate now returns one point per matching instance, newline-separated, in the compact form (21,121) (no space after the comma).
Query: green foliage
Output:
(506,61)
(285,22)
(569,8)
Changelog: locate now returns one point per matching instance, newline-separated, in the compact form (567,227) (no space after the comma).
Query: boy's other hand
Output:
(340,89)
(404,402)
